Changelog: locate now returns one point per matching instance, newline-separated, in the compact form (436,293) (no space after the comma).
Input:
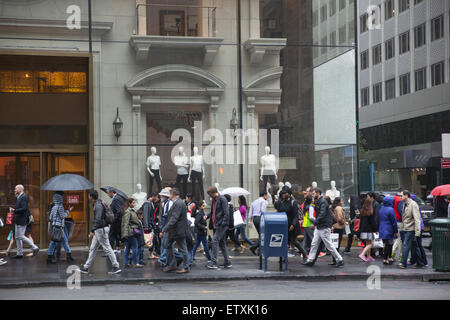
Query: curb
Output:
(149,281)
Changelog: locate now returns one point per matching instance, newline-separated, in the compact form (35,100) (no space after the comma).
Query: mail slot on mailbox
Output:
(273,238)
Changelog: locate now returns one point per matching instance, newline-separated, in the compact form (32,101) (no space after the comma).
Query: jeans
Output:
(256,223)
(58,245)
(163,256)
(410,245)
(201,239)
(219,240)
(141,255)
(325,236)
(292,237)
(241,231)
(131,243)
(101,238)
(20,239)
(171,259)
(53,245)
(158,181)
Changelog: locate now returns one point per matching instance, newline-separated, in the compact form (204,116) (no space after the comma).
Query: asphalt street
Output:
(242,290)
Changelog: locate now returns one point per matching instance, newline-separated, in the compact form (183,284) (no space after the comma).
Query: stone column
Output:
(136,110)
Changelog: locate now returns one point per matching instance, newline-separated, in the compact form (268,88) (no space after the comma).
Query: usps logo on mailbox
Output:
(276,240)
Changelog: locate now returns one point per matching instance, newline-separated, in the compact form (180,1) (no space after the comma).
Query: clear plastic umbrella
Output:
(235,191)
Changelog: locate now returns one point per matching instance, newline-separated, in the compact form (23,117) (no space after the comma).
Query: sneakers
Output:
(290,255)
(139,265)
(17,257)
(340,263)
(2,262)
(227,265)
(115,270)
(370,259)
(84,270)
(35,251)
(212,265)
(308,263)
(401,266)
(322,254)
(253,250)
(363,258)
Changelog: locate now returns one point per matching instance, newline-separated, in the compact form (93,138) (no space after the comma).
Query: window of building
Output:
(332,7)
(420,79)
(437,28)
(333,38)
(364,97)
(315,18)
(417,1)
(403,5)
(324,44)
(342,4)
(351,31)
(419,35)
(405,84)
(377,92)
(437,74)
(365,60)
(342,34)
(323,13)
(363,22)
(389,48)
(376,54)
(390,89)
(403,40)
(389,10)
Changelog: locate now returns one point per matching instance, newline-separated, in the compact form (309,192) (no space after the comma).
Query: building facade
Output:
(403,93)
(176,73)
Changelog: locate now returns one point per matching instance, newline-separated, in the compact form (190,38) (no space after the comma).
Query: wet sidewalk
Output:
(33,271)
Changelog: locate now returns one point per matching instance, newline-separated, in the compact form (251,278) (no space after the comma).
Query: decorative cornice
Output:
(39,26)
(143,44)
(266,75)
(258,48)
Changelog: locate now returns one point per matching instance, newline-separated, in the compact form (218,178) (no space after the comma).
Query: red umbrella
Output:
(441,190)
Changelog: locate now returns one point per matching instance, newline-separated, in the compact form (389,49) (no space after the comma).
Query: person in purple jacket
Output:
(241,229)
(388,228)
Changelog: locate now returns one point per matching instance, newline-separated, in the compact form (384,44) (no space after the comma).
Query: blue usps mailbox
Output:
(273,238)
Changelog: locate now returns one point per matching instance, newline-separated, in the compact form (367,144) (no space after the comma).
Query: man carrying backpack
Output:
(100,234)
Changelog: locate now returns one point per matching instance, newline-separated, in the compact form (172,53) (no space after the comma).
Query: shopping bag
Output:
(9,218)
(335,239)
(347,228)
(148,237)
(377,243)
(237,219)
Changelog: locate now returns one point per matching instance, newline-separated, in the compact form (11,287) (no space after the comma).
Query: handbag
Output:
(137,232)
(377,242)
(57,234)
(347,228)
(148,238)
(237,219)
(335,239)
(356,224)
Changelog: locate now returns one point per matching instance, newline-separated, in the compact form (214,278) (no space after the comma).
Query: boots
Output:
(69,257)
(50,259)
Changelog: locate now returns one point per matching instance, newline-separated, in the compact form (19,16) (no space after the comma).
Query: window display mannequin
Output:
(268,168)
(269,199)
(197,172)
(288,184)
(280,186)
(333,193)
(182,163)
(314,184)
(153,166)
(140,197)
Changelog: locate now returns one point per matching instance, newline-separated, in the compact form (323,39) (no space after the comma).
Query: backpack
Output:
(108,215)
(230,217)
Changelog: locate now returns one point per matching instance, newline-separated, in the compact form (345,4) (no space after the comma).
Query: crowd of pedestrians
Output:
(173,229)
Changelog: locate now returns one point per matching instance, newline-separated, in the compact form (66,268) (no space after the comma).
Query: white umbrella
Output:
(235,191)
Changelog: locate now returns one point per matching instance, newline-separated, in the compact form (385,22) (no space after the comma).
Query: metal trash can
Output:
(441,244)
(273,238)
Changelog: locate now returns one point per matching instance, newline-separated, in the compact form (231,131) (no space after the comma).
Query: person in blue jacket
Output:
(388,228)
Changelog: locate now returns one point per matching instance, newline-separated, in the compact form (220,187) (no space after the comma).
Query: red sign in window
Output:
(73,199)
(445,163)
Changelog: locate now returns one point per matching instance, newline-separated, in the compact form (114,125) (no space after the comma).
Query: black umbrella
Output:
(67,182)
(121,193)
(106,188)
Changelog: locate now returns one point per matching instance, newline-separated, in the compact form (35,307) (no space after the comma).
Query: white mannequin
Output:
(196,164)
(268,164)
(218,187)
(288,184)
(154,163)
(333,193)
(197,168)
(269,195)
(140,197)
(280,186)
(314,184)
(181,162)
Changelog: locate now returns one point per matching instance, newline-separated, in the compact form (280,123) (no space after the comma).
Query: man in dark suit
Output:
(116,208)
(176,227)
(20,220)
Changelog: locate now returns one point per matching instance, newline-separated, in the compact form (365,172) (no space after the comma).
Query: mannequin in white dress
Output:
(153,167)
(197,172)
(140,197)
(181,161)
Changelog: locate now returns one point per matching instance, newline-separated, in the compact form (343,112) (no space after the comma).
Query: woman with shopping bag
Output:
(242,226)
